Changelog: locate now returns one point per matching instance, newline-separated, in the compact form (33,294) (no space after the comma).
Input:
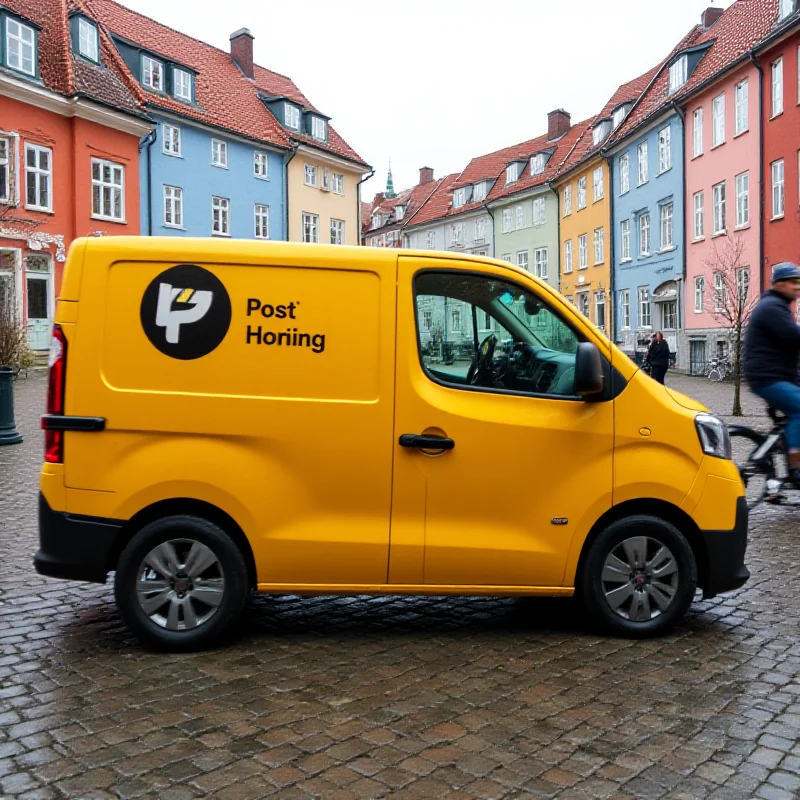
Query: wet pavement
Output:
(400,697)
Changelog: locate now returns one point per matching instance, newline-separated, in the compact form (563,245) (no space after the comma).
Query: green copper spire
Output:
(390,192)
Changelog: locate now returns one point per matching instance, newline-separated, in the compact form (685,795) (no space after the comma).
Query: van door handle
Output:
(424,441)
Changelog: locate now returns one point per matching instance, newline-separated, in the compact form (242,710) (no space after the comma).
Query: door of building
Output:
(39,290)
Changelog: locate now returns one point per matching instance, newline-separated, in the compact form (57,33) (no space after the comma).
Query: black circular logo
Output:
(186,312)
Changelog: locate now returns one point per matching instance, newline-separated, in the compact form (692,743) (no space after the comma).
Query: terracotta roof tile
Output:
(413,199)
(437,204)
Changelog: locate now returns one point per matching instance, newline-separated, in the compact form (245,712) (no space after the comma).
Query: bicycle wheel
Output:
(715,375)
(759,475)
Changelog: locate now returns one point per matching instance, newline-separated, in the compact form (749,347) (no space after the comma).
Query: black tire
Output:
(592,588)
(755,476)
(230,565)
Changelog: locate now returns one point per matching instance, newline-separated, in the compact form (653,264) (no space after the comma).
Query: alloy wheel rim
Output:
(180,585)
(640,579)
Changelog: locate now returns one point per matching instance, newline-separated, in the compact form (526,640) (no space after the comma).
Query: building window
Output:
(581,193)
(644,235)
(310,228)
(786,8)
(601,131)
(512,173)
(538,163)
(599,245)
(108,190)
(337,231)
(719,291)
(455,320)
(540,262)
(38,177)
(664,150)
(641,151)
(718,120)
(152,74)
(508,220)
(567,200)
(20,47)
(644,308)
(291,116)
(600,310)
(583,256)
(261,214)
(678,74)
(625,308)
(219,153)
(480,230)
(319,129)
(522,259)
(777,88)
(568,256)
(507,257)
(338,183)
(669,315)
(597,184)
(431,240)
(5,171)
(173,207)
(699,216)
(618,116)
(697,133)
(478,192)
(719,198)
(220,216)
(742,284)
(624,173)
(457,234)
(311,175)
(778,194)
(172,140)
(667,226)
(520,215)
(182,84)
(699,293)
(625,239)
(459,197)
(741,94)
(742,199)
(87,39)
(539,211)
(583,304)
(260,164)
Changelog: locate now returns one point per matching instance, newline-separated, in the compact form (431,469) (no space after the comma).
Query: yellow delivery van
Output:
(230,416)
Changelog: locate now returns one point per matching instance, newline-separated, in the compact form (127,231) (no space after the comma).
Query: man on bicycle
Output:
(771,353)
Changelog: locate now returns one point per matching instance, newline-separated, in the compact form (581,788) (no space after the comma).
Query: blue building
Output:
(648,212)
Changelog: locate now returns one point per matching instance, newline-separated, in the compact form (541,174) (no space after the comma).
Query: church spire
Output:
(390,192)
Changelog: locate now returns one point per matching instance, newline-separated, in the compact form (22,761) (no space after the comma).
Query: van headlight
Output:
(714,437)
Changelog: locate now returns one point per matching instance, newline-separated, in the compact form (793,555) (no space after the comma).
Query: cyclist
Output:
(771,352)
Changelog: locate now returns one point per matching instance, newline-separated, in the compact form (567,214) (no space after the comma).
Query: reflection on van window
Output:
(482,332)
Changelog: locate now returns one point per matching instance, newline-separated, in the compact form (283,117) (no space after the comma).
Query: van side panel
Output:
(285,424)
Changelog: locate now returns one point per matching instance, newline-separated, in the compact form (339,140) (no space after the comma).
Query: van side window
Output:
(479,332)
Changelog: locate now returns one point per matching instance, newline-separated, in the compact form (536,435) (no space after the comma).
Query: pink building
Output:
(723,204)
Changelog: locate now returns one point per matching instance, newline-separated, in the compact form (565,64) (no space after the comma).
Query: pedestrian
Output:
(658,358)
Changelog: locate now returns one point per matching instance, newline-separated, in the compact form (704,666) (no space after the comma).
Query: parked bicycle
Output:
(718,369)
(761,460)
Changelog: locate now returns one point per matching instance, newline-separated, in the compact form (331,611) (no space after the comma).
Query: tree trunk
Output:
(737,373)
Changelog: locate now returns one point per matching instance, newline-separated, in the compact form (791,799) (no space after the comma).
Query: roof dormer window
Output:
(182,84)
(459,197)
(479,192)
(786,8)
(152,74)
(376,221)
(678,74)
(399,212)
(538,163)
(512,172)
(87,40)
(619,115)
(319,128)
(291,116)
(601,131)
(20,47)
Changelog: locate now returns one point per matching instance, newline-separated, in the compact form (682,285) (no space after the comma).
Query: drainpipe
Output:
(148,142)
(558,233)
(491,217)
(612,238)
(684,181)
(762,206)
(285,193)
(358,206)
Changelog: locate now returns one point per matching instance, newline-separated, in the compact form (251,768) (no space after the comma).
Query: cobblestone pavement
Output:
(408,698)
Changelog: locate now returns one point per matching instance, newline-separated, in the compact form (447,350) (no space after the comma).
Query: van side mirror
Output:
(589,379)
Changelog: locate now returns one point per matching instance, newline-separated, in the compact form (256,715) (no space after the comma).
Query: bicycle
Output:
(719,369)
(761,461)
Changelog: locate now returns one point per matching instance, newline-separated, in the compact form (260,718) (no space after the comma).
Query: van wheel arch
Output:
(190,507)
(661,510)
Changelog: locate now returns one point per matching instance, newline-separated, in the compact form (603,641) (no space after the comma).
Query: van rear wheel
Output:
(180,583)
(639,577)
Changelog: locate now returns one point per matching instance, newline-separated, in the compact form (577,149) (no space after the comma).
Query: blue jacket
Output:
(771,342)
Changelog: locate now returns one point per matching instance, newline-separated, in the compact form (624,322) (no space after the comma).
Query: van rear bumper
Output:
(726,570)
(74,547)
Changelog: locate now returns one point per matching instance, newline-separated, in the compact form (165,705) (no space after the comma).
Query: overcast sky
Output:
(437,82)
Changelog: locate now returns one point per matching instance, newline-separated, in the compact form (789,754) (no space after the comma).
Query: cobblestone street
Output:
(400,697)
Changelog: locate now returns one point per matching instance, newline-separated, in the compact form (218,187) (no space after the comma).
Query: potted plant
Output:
(14,355)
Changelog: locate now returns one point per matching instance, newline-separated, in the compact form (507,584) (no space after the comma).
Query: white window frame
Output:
(778,172)
(310,175)
(568,256)
(459,197)
(222,205)
(645,235)
(173,205)
(719,291)
(625,240)
(310,227)
(584,304)
(538,163)
(741,95)
(523,260)
(581,193)
(480,229)
(599,245)
(116,169)
(667,225)
(519,217)
(678,74)
(743,284)
(583,252)
(431,240)
(261,221)
(568,200)
(618,117)
(219,153)
(148,71)
(625,309)
(23,44)
(786,8)
(88,43)
(540,263)
(182,84)
(718,121)
(291,116)
(776,71)
(645,308)
(624,173)
(261,165)
(598,184)
(172,140)
(539,211)
(512,173)
(7,144)
(479,192)
(699,294)
(719,200)
(664,150)
(600,302)
(699,216)
(457,234)
(643,167)
(40,175)
(338,183)
(697,133)
(508,258)
(743,200)
(508,220)
(319,129)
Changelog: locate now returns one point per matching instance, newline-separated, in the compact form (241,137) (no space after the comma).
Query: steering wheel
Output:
(481,372)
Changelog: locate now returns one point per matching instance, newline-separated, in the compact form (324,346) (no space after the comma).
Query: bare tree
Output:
(731,303)
(14,350)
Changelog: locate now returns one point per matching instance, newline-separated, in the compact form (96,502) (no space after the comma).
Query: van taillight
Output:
(54,440)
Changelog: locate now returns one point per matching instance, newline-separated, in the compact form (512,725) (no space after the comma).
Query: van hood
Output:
(686,401)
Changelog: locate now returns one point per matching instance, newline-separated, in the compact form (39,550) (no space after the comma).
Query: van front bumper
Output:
(725,550)
(74,547)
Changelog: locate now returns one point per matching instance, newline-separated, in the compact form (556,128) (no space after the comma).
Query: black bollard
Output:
(8,430)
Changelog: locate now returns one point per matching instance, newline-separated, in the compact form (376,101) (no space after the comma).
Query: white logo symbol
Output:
(196,307)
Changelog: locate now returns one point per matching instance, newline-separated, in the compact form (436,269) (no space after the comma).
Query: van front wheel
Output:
(180,583)
(639,577)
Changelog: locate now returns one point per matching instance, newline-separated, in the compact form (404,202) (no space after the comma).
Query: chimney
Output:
(378,199)
(558,123)
(425,175)
(710,17)
(242,51)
